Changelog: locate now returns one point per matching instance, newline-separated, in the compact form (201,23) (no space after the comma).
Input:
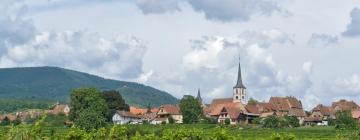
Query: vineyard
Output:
(172,132)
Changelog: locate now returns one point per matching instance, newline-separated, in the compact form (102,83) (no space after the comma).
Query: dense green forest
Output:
(51,83)
(13,105)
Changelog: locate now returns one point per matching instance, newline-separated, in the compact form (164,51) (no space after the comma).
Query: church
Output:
(237,110)
(233,108)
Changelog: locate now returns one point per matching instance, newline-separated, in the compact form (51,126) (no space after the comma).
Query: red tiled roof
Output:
(294,103)
(233,110)
(297,112)
(280,103)
(170,109)
(344,105)
(215,102)
(252,109)
(127,114)
(324,110)
(141,111)
(265,107)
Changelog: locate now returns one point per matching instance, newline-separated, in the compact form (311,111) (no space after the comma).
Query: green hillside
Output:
(51,83)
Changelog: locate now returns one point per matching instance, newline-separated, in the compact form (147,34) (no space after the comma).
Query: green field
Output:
(205,131)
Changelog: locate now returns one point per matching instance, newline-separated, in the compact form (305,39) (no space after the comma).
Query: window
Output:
(243,97)
(237,97)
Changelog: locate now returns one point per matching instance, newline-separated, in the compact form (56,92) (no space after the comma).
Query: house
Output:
(343,104)
(311,121)
(141,111)
(59,108)
(355,114)
(149,117)
(167,111)
(323,112)
(233,108)
(125,117)
(288,106)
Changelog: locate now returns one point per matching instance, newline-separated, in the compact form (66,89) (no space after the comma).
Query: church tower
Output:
(239,89)
(198,97)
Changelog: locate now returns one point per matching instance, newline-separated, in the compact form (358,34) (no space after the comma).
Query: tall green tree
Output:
(191,110)
(148,110)
(114,102)
(88,109)
(344,120)
(252,101)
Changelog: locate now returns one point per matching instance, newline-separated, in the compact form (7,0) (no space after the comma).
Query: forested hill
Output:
(52,83)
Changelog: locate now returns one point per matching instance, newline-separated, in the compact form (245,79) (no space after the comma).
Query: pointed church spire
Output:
(198,97)
(239,83)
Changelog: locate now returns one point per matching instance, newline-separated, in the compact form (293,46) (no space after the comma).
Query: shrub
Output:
(272,122)
(344,120)
(227,121)
(291,121)
(171,120)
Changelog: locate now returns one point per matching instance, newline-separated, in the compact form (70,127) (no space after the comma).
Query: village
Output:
(236,109)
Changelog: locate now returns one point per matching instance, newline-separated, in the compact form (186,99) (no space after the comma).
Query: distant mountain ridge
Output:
(53,83)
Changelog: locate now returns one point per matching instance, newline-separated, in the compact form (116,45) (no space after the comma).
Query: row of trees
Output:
(92,109)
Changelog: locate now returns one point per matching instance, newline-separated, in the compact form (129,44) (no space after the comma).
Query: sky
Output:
(302,48)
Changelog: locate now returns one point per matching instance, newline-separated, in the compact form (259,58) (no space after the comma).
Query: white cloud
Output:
(158,6)
(349,85)
(85,51)
(213,61)
(323,40)
(234,10)
(353,28)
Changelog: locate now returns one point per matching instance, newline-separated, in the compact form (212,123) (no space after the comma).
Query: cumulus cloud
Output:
(158,6)
(350,86)
(212,63)
(81,50)
(14,28)
(234,10)
(353,28)
(323,40)
(21,45)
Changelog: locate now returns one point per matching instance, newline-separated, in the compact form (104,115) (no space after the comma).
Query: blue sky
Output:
(302,48)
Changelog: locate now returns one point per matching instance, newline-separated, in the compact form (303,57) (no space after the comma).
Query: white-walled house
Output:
(125,117)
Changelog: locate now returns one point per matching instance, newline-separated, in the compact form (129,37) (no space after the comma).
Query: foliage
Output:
(148,108)
(14,105)
(344,120)
(272,122)
(191,110)
(227,121)
(88,109)
(277,136)
(174,132)
(252,101)
(208,120)
(56,120)
(256,120)
(171,120)
(114,102)
(291,121)
(48,83)
(5,121)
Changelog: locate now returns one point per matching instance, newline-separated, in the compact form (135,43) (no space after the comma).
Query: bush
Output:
(171,120)
(291,121)
(272,122)
(227,121)
(344,120)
